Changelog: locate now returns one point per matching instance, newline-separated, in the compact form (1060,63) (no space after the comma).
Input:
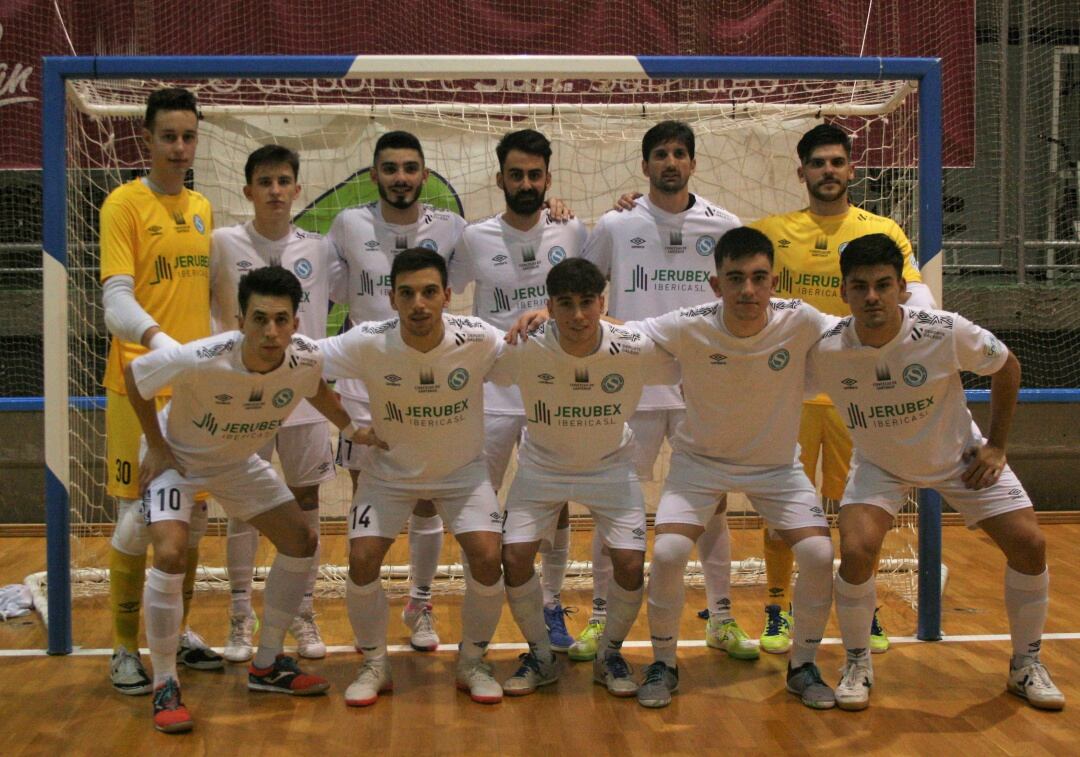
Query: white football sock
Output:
(812,598)
(603,571)
(284,589)
(855,612)
(240,547)
(527,607)
(554,556)
(369,613)
(163,603)
(1026,601)
(425,547)
(714,549)
(667,593)
(480,611)
(622,611)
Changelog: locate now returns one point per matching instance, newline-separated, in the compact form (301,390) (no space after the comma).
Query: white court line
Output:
(517,647)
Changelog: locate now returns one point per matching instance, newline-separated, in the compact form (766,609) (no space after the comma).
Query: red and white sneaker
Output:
(285,677)
(170,715)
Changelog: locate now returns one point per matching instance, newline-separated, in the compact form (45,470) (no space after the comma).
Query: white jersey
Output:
(509,268)
(577,407)
(743,394)
(427,406)
(221,413)
(903,402)
(658,262)
(235,250)
(367,245)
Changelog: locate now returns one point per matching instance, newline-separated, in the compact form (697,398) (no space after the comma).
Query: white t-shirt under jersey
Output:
(657,262)
(904,403)
(509,268)
(220,412)
(427,406)
(367,245)
(577,407)
(743,394)
(235,250)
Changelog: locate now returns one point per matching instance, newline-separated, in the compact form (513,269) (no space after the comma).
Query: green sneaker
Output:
(584,647)
(727,635)
(776,638)
(879,640)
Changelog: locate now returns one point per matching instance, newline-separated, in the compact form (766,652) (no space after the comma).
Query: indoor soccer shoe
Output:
(372,679)
(193,652)
(660,682)
(853,691)
(728,636)
(421,622)
(170,715)
(531,675)
(806,683)
(1032,682)
(555,620)
(584,647)
(475,677)
(614,673)
(776,638)
(309,643)
(285,677)
(127,673)
(879,640)
(239,646)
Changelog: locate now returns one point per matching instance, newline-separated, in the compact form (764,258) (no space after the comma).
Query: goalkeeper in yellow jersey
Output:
(808,244)
(155,274)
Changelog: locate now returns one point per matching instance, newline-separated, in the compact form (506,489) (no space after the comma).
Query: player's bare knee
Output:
(171,556)
(517,564)
(628,568)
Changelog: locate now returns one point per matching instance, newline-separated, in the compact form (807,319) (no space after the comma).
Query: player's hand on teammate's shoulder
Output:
(369,437)
(558,210)
(158,459)
(626,201)
(984,466)
(528,321)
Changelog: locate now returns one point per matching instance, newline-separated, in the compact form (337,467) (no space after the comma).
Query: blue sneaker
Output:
(555,620)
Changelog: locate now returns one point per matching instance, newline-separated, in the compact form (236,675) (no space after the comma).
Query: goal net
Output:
(594,111)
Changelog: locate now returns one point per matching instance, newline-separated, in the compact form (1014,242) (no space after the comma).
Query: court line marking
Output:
(517,646)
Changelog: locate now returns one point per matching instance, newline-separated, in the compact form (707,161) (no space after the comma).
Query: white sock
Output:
(667,593)
(623,607)
(480,611)
(240,547)
(526,605)
(812,598)
(714,549)
(425,547)
(307,604)
(163,603)
(553,558)
(1026,600)
(369,613)
(281,598)
(602,573)
(855,612)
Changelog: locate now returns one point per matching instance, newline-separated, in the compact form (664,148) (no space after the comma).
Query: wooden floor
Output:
(946,697)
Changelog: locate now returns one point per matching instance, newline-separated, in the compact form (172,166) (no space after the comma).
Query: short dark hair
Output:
(528,141)
(397,140)
(271,155)
(871,249)
(820,135)
(742,242)
(665,131)
(575,276)
(417,259)
(272,281)
(171,98)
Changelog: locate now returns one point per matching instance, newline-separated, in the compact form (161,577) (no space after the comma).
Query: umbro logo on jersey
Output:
(717,359)
(207,423)
(1016,493)
(223,399)
(546,378)
(243,265)
(155,231)
(784,244)
(850,383)
(500,259)
(392,379)
(637,243)
(162,270)
(372,244)
(639,533)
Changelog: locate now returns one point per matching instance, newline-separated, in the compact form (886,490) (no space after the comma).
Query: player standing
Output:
(896,370)
(508,257)
(271,173)
(155,253)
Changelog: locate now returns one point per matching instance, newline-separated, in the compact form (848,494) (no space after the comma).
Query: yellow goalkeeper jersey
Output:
(163,242)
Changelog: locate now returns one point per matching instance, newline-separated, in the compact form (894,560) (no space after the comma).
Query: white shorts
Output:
(348,454)
(244,491)
(465,500)
(501,433)
(782,495)
(617,507)
(650,427)
(869,484)
(304,452)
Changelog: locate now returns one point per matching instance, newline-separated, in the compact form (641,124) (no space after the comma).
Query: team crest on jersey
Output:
(612,383)
(556,255)
(282,398)
(428,244)
(778,360)
(302,268)
(199,225)
(705,245)
(914,375)
(213,350)
(457,379)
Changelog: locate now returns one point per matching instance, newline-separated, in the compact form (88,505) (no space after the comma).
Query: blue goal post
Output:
(58,71)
